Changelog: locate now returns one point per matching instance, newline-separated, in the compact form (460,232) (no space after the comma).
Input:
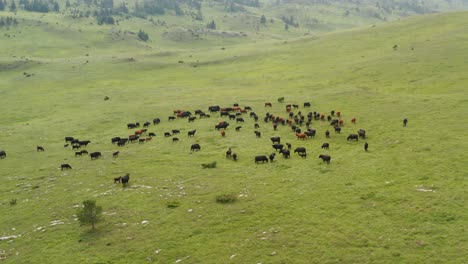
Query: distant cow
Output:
(289,145)
(325,146)
(353,137)
(195,147)
(325,158)
(167,134)
(192,118)
(300,150)
(95,155)
(337,129)
(78,153)
(310,132)
(175,131)
(261,158)
(171,118)
(238,128)
(306,104)
(405,121)
(229,153)
(240,119)
(327,134)
(115,140)
(175,139)
(65,166)
(84,152)
(258,134)
(301,135)
(84,142)
(156,121)
(278,147)
(141,140)
(272,157)
(68,139)
(286,153)
(275,139)
(222,125)
(76,147)
(362,133)
(125,179)
(366,146)
(117,179)
(191,133)
(151,134)
(268,104)
(2,154)
(256,126)
(39,148)
(146,124)
(115,154)
(234,156)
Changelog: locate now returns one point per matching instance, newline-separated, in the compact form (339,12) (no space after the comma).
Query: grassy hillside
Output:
(403,201)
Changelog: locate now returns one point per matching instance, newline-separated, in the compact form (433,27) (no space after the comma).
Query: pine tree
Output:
(13,6)
(90,213)
(263,19)
(211,25)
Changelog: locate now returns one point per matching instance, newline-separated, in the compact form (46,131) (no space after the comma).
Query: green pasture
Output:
(404,201)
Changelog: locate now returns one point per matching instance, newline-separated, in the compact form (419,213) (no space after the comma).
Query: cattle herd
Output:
(302,124)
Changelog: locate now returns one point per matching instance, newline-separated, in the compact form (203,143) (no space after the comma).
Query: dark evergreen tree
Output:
(143,36)
(13,6)
(263,19)
(211,25)
(2,5)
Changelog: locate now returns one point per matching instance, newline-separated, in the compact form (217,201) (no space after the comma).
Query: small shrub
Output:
(281,100)
(35,187)
(226,198)
(13,202)
(209,165)
(173,204)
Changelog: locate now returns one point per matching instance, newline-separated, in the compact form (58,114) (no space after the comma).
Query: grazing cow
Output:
(232,117)
(131,126)
(141,140)
(332,112)
(238,128)
(115,140)
(234,156)
(288,145)
(353,120)
(175,131)
(117,179)
(258,134)
(195,147)
(366,146)
(286,153)
(256,126)
(341,122)
(353,137)
(115,154)
(175,139)
(122,142)
(214,108)
(306,104)
(325,158)
(146,124)
(84,142)
(75,141)
(65,166)
(148,139)
(405,121)
(95,155)
(192,118)
(362,133)
(69,139)
(301,136)
(66,145)
(334,122)
(337,129)
(133,138)
(39,148)
(278,147)
(302,155)
(272,157)
(261,158)
(275,139)
(171,118)
(327,134)
(223,133)
(125,179)
(240,119)
(156,121)
(151,134)
(268,104)
(191,133)
(76,147)
(222,125)
(167,134)
(338,113)
(310,132)
(229,153)
(77,153)
(84,152)
(325,146)
(300,150)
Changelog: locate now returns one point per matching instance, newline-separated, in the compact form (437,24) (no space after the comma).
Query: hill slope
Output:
(403,201)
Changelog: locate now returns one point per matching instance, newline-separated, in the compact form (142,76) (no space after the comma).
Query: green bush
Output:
(281,100)
(13,202)
(226,198)
(173,204)
(209,165)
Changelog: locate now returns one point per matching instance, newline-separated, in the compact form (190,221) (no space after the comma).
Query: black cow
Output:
(171,118)
(69,139)
(75,141)
(325,146)
(234,156)
(141,140)
(238,128)
(272,157)
(256,126)
(84,152)
(214,108)
(2,154)
(362,133)
(353,137)
(125,179)
(222,126)
(229,153)
(261,158)
(289,146)
(117,179)
(325,158)
(192,118)
(310,132)
(278,147)
(275,139)
(300,150)
(195,147)
(337,129)
(366,146)
(151,134)
(76,147)
(405,121)
(167,134)
(65,166)
(84,142)
(258,134)
(240,119)
(286,153)
(175,131)
(327,134)
(156,121)
(115,140)
(39,148)
(191,133)
(306,104)
(175,139)
(122,142)
(232,117)
(131,126)
(115,154)
(66,145)
(95,155)
(77,153)
(334,122)
(146,124)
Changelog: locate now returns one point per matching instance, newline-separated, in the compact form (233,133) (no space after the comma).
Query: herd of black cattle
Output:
(300,124)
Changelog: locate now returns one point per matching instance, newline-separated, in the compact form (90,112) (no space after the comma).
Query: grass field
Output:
(404,201)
